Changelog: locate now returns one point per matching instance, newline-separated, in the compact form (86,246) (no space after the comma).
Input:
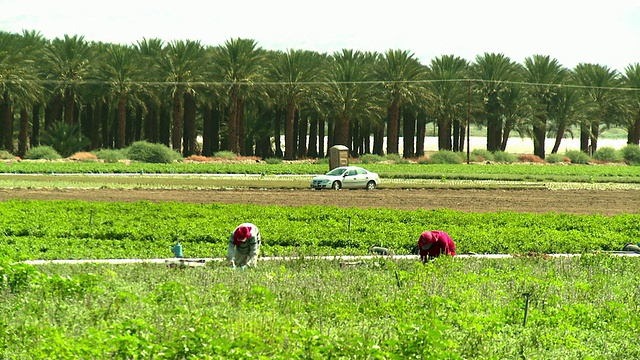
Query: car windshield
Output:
(336,171)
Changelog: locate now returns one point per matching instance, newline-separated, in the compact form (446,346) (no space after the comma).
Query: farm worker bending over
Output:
(244,246)
(433,243)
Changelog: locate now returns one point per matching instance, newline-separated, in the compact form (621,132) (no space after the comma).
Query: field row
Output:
(93,230)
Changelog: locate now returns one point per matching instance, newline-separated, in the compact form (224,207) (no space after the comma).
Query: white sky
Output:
(605,32)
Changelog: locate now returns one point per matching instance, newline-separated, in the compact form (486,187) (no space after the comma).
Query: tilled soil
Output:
(604,202)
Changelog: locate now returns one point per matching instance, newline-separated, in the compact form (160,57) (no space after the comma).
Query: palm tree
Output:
(238,63)
(182,64)
(598,82)
(19,84)
(567,111)
(399,71)
(495,72)
(447,96)
(152,95)
(631,79)
(121,71)
(347,91)
(516,113)
(68,65)
(546,74)
(295,70)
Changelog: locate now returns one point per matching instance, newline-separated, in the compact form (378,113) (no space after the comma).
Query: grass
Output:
(450,309)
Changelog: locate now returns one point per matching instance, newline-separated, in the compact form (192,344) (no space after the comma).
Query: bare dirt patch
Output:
(605,202)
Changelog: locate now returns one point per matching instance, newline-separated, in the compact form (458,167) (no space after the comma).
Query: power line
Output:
(305,83)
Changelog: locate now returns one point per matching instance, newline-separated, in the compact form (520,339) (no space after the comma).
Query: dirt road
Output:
(605,202)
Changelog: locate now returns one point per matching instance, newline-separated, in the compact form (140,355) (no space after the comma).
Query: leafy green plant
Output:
(371,158)
(555,158)
(111,155)
(445,157)
(273,160)
(65,138)
(5,155)
(607,154)
(505,157)
(483,154)
(152,153)
(43,152)
(577,157)
(631,153)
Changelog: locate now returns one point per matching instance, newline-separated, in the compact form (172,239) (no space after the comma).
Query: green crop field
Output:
(526,307)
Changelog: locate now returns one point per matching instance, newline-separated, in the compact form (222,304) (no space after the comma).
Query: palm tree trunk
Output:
(232,125)
(321,136)
(122,122)
(392,127)
(242,149)
(69,104)
(290,113)
(636,131)
(584,137)
(96,119)
(35,125)
(6,117)
(190,123)
(444,136)
(302,136)
(23,138)
(341,130)
(559,136)
(104,109)
(420,134)
(539,137)
(207,131)
(277,126)
(409,126)
(176,135)
(595,132)
(312,152)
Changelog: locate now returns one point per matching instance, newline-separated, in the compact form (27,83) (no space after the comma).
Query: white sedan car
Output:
(347,177)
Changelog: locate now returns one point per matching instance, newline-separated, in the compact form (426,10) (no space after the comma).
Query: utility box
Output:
(338,156)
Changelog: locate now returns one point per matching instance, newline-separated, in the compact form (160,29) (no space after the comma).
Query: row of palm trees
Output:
(239,97)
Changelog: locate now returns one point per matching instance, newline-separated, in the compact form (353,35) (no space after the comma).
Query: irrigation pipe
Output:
(291,258)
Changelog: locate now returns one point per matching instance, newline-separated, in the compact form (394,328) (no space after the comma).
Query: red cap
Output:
(242,233)
(427,237)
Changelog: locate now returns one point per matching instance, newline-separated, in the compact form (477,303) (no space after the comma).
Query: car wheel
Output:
(371,185)
(317,189)
(336,185)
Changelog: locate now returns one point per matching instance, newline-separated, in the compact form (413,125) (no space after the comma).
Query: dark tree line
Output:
(242,98)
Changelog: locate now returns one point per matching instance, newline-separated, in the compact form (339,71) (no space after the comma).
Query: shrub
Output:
(392,157)
(5,155)
(111,155)
(65,138)
(229,155)
(505,157)
(472,157)
(43,152)
(607,154)
(557,158)
(482,155)
(273,160)
(445,157)
(631,153)
(152,153)
(371,158)
(530,158)
(577,157)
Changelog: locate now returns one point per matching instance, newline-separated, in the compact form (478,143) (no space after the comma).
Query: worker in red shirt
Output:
(433,243)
